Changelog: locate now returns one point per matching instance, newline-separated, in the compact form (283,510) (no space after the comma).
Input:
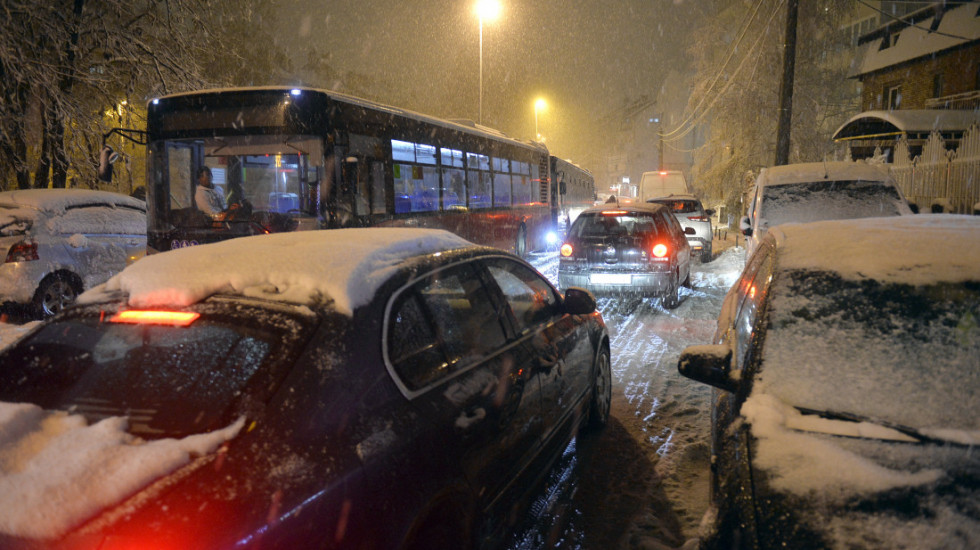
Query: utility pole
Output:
(786,87)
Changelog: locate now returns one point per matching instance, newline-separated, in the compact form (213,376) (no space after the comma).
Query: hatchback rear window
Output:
(679,206)
(170,381)
(613,223)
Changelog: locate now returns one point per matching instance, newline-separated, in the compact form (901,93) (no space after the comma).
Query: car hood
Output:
(872,488)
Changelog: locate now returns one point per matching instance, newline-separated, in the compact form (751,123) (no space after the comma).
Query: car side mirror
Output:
(690,231)
(745,226)
(710,212)
(708,364)
(579,301)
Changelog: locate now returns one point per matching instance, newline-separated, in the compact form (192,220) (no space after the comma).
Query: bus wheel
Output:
(520,247)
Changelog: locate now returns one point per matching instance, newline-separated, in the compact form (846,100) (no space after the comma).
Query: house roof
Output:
(925,32)
(914,123)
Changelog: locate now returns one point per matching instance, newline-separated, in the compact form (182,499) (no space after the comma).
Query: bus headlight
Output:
(551,238)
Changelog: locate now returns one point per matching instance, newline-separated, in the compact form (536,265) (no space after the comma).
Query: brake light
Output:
(659,250)
(24,251)
(698,218)
(566,250)
(663,173)
(145,317)
(613,212)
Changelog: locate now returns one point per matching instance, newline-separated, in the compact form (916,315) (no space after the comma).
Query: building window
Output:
(937,85)
(893,97)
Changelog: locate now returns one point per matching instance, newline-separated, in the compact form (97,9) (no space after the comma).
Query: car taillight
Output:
(146,317)
(698,218)
(24,251)
(659,251)
(566,250)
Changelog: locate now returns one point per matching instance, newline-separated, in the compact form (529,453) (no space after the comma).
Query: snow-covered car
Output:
(351,388)
(801,193)
(59,242)
(637,248)
(846,376)
(689,212)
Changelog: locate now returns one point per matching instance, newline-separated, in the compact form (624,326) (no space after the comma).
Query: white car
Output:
(58,242)
(690,213)
(801,193)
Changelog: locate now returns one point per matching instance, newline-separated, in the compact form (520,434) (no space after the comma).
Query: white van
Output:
(809,192)
(654,185)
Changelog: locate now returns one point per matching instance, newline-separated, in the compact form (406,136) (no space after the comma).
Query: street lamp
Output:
(539,105)
(485,9)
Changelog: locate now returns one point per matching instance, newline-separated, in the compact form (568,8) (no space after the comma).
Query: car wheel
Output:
(601,401)
(671,299)
(520,247)
(706,254)
(56,292)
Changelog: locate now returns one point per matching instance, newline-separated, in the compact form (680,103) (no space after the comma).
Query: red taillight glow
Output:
(566,250)
(24,251)
(659,250)
(698,218)
(613,212)
(143,317)
(663,173)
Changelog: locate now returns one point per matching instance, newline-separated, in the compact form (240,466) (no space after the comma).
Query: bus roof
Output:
(467,126)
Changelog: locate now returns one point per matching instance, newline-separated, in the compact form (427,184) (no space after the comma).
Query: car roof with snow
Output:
(911,249)
(345,266)
(59,200)
(675,197)
(819,171)
(628,206)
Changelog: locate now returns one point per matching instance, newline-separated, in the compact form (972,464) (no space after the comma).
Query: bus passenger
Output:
(207,199)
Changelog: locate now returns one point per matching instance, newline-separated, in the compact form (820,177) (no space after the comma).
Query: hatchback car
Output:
(59,242)
(637,248)
(846,375)
(356,388)
(800,193)
(689,212)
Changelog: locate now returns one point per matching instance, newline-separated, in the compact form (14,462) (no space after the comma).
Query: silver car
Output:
(689,212)
(58,242)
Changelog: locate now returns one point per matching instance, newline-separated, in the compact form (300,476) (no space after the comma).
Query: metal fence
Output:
(940,180)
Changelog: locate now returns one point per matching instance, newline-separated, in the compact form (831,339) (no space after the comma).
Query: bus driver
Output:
(207,199)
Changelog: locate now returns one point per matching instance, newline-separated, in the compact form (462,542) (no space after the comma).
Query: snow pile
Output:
(910,249)
(722,272)
(801,463)
(345,265)
(56,471)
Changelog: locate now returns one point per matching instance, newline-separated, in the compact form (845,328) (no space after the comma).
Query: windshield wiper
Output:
(904,430)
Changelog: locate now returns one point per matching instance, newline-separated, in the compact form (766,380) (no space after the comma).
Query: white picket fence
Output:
(940,179)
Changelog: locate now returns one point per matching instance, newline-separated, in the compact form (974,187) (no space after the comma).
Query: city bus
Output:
(574,191)
(289,159)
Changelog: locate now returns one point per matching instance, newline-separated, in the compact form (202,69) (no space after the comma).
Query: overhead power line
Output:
(913,25)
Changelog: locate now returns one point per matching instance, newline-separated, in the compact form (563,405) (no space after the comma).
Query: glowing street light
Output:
(489,10)
(539,105)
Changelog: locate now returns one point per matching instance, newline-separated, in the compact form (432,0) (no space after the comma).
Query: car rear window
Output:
(170,381)
(613,223)
(679,206)
(829,200)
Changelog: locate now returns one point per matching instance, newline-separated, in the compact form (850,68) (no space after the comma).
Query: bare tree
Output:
(738,55)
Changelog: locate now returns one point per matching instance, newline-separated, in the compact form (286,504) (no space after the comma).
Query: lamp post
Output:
(485,9)
(539,105)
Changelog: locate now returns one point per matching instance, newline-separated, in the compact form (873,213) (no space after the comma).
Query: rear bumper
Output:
(19,280)
(617,283)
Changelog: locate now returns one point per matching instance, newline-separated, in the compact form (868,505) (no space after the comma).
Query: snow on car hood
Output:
(56,471)
(920,249)
(343,265)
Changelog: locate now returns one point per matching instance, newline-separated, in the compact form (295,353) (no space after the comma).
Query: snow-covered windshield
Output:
(829,200)
(890,352)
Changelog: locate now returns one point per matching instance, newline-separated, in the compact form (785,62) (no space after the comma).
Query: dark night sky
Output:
(584,57)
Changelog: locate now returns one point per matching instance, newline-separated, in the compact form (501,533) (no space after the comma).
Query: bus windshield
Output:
(277,177)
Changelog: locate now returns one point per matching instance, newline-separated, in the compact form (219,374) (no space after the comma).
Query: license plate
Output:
(610,279)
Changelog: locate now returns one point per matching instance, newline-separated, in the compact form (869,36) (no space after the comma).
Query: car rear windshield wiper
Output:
(904,430)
